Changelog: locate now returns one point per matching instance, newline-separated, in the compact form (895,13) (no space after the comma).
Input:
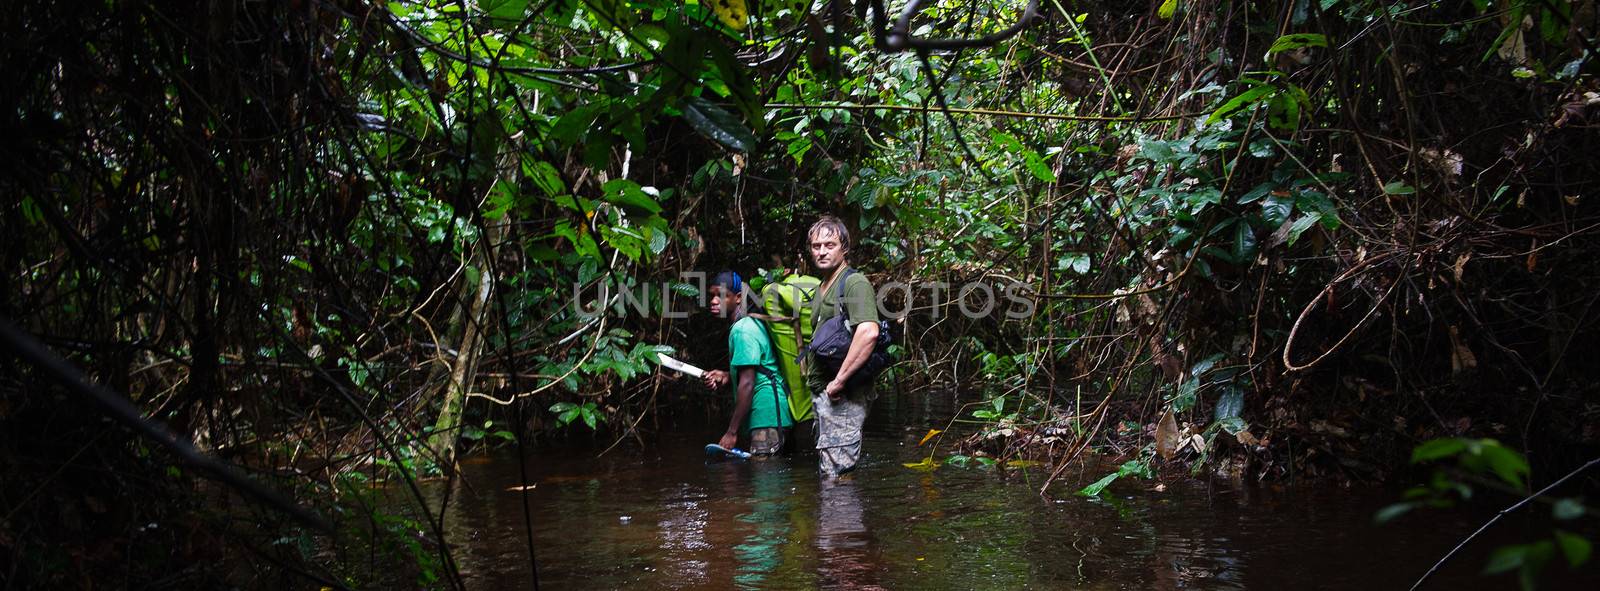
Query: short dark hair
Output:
(832,224)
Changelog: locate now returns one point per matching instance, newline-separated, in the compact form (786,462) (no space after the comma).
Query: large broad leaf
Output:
(1296,41)
(736,77)
(1247,98)
(718,124)
(572,126)
(506,10)
(1099,485)
(629,194)
(545,176)
(1231,404)
(1167,9)
(1301,225)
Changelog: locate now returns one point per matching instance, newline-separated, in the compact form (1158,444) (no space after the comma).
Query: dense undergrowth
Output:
(335,241)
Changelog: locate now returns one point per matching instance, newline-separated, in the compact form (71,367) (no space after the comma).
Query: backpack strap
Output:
(838,298)
(778,404)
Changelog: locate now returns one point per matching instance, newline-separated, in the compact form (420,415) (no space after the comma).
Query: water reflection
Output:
(843,541)
(669,519)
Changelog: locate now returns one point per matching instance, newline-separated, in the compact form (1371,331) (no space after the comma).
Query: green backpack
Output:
(789,324)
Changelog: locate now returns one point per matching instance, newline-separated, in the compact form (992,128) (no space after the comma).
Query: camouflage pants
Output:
(839,431)
(766,441)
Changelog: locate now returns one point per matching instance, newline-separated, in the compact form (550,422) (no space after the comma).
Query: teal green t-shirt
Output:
(748,345)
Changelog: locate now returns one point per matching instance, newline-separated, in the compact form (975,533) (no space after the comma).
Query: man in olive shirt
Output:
(841,407)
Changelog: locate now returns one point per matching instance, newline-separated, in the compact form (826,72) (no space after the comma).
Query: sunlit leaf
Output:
(925,438)
(628,193)
(1244,99)
(731,12)
(1296,41)
(1167,9)
(928,464)
(506,10)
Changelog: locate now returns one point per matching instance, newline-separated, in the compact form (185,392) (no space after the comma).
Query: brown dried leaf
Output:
(1461,357)
(1246,438)
(1461,265)
(1167,436)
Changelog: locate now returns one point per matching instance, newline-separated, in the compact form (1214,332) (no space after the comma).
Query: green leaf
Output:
(1505,558)
(1437,448)
(1100,485)
(1296,41)
(1398,188)
(1167,9)
(1186,395)
(658,241)
(575,124)
(1567,508)
(1575,548)
(718,124)
(1391,512)
(628,193)
(1078,262)
(506,10)
(1506,463)
(1283,111)
(928,464)
(1247,98)
(1301,225)
(1037,166)
(1230,404)
(545,176)
(798,148)
(1244,243)
(1233,425)
(1275,210)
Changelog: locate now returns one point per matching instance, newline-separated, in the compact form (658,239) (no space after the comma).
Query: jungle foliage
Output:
(334,241)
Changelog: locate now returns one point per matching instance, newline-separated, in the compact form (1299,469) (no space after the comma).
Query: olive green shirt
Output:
(859,299)
(862,305)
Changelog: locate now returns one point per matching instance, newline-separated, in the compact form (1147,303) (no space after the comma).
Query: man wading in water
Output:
(840,403)
(761,401)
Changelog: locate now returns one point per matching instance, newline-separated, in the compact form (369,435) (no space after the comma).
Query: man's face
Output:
(723,301)
(826,250)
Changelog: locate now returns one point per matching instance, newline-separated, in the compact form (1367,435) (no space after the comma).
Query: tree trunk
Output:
(446,428)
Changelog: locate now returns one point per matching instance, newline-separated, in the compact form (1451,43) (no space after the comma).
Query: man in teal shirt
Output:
(761,399)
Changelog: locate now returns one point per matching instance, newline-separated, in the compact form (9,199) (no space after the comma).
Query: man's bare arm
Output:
(861,345)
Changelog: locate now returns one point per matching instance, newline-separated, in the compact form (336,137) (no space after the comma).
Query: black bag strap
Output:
(838,295)
(777,379)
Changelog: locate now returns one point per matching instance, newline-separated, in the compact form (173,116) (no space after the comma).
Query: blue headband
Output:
(729,280)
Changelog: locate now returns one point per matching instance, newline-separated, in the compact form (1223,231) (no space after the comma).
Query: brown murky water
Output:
(666,518)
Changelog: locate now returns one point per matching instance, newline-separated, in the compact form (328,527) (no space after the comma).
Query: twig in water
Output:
(1503,512)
